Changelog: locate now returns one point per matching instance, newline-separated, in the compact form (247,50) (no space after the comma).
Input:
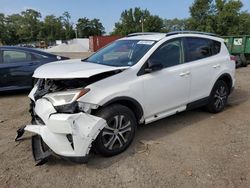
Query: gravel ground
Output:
(191,149)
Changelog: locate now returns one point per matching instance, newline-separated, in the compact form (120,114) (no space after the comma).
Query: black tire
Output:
(119,133)
(218,97)
(238,62)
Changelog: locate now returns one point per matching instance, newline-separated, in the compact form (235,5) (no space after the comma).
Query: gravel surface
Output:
(191,149)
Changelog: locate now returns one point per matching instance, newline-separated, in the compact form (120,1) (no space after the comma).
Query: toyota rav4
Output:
(99,101)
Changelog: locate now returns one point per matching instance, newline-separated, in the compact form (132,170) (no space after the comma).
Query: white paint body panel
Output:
(83,127)
(72,69)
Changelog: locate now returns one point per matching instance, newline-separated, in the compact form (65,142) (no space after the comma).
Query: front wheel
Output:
(218,98)
(119,132)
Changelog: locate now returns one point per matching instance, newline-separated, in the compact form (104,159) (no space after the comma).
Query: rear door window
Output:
(11,56)
(197,48)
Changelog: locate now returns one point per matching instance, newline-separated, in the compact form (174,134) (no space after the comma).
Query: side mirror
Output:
(153,66)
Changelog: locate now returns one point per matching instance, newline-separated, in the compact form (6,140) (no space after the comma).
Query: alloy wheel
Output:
(220,97)
(117,132)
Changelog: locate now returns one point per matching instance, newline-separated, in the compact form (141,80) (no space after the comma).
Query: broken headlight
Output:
(65,97)
(86,107)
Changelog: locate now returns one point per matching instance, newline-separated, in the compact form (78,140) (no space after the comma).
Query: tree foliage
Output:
(174,25)
(223,17)
(86,27)
(28,27)
(136,20)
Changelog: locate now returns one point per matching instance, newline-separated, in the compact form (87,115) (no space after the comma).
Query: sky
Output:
(108,11)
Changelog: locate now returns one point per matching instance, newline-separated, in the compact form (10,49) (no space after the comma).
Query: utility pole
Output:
(76,32)
(142,20)
(75,26)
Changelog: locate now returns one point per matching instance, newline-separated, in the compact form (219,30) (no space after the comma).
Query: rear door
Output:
(204,62)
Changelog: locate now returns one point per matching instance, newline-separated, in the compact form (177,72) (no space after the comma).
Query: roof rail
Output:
(143,33)
(190,32)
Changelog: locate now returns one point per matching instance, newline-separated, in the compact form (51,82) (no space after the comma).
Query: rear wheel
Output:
(218,98)
(119,132)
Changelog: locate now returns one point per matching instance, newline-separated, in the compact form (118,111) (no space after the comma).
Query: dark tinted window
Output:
(216,46)
(198,48)
(11,56)
(169,54)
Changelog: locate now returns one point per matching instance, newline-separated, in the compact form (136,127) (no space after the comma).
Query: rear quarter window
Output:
(216,47)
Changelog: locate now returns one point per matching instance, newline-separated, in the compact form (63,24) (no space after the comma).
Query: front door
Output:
(167,91)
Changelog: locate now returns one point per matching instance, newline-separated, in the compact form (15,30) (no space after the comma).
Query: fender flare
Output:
(223,77)
(131,103)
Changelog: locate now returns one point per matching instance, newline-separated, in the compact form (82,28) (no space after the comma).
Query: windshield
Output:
(122,53)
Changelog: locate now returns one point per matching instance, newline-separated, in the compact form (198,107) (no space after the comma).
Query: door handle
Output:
(216,66)
(185,73)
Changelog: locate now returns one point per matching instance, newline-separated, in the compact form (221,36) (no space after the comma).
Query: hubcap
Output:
(117,132)
(220,97)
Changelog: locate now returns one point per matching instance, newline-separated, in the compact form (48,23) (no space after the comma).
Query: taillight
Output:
(232,58)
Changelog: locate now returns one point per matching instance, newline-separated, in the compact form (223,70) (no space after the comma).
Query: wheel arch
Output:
(129,102)
(227,79)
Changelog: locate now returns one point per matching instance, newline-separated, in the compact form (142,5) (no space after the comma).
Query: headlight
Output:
(65,97)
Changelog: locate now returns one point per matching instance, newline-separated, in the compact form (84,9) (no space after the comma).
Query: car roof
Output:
(160,36)
(153,36)
(33,50)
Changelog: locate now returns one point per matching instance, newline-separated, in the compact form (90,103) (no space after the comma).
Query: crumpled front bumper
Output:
(67,135)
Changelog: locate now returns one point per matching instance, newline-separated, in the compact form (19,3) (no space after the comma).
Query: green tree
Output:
(2,28)
(30,25)
(227,17)
(202,16)
(52,29)
(86,27)
(136,20)
(223,17)
(68,26)
(244,23)
(13,27)
(174,25)
(97,27)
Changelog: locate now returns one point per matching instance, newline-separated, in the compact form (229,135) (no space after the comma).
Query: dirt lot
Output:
(191,149)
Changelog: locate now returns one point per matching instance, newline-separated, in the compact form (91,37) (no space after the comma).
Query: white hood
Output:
(72,69)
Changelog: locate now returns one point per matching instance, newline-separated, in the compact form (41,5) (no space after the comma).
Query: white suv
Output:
(99,101)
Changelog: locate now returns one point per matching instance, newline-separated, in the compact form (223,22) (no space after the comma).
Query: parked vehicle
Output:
(17,65)
(135,80)
(239,46)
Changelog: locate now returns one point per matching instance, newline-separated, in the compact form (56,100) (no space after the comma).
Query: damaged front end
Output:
(63,125)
